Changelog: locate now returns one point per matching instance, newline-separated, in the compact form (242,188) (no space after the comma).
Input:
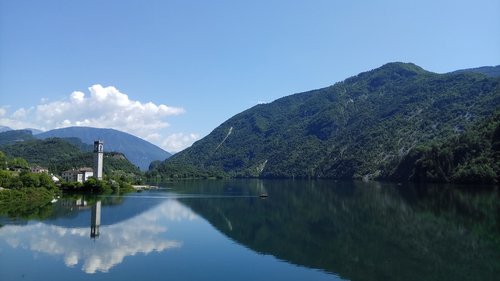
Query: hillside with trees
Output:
(26,193)
(12,136)
(492,71)
(23,193)
(472,157)
(376,125)
(59,155)
(138,151)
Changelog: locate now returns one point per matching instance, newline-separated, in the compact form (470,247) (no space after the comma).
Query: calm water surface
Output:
(223,230)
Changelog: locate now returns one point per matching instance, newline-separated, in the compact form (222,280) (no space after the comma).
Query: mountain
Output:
(138,151)
(492,71)
(35,131)
(362,127)
(13,136)
(4,129)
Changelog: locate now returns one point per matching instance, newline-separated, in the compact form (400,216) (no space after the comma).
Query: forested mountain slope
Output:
(491,71)
(362,127)
(11,136)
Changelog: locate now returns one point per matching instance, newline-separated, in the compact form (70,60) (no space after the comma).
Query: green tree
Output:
(30,179)
(16,183)
(18,163)
(46,181)
(94,185)
(3,161)
(5,178)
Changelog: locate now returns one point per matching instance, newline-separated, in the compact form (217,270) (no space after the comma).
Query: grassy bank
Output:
(26,202)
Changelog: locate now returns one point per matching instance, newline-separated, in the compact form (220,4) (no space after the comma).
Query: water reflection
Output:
(95,220)
(324,230)
(362,231)
(142,234)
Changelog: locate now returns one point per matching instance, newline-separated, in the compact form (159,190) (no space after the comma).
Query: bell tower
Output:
(98,157)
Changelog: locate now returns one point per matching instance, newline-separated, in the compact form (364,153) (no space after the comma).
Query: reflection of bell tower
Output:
(95,220)
(98,156)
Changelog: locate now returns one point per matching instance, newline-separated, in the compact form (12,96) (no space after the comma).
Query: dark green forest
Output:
(472,157)
(397,122)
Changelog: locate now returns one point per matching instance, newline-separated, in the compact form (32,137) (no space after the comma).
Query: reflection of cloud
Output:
(174,212)
(140,234)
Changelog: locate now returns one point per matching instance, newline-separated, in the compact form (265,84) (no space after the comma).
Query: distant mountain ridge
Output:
(137,150)
(4,129)
(491,71)
(35,131)
(362,127)
(12,136)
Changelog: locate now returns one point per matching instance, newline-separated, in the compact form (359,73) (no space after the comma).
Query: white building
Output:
(80,175)
(54,178)
(39,170)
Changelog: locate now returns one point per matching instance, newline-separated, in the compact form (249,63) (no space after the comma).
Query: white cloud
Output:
(106,107)
(178,141)
(22,113)
(103,107)
(77,97)
(17,124)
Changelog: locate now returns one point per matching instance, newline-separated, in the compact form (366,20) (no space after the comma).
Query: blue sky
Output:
(172,71)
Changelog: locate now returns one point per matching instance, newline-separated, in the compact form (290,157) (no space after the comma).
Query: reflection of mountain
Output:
(362,231)
(143,233)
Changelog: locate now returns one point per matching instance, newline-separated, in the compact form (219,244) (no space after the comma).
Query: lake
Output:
(223,230)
